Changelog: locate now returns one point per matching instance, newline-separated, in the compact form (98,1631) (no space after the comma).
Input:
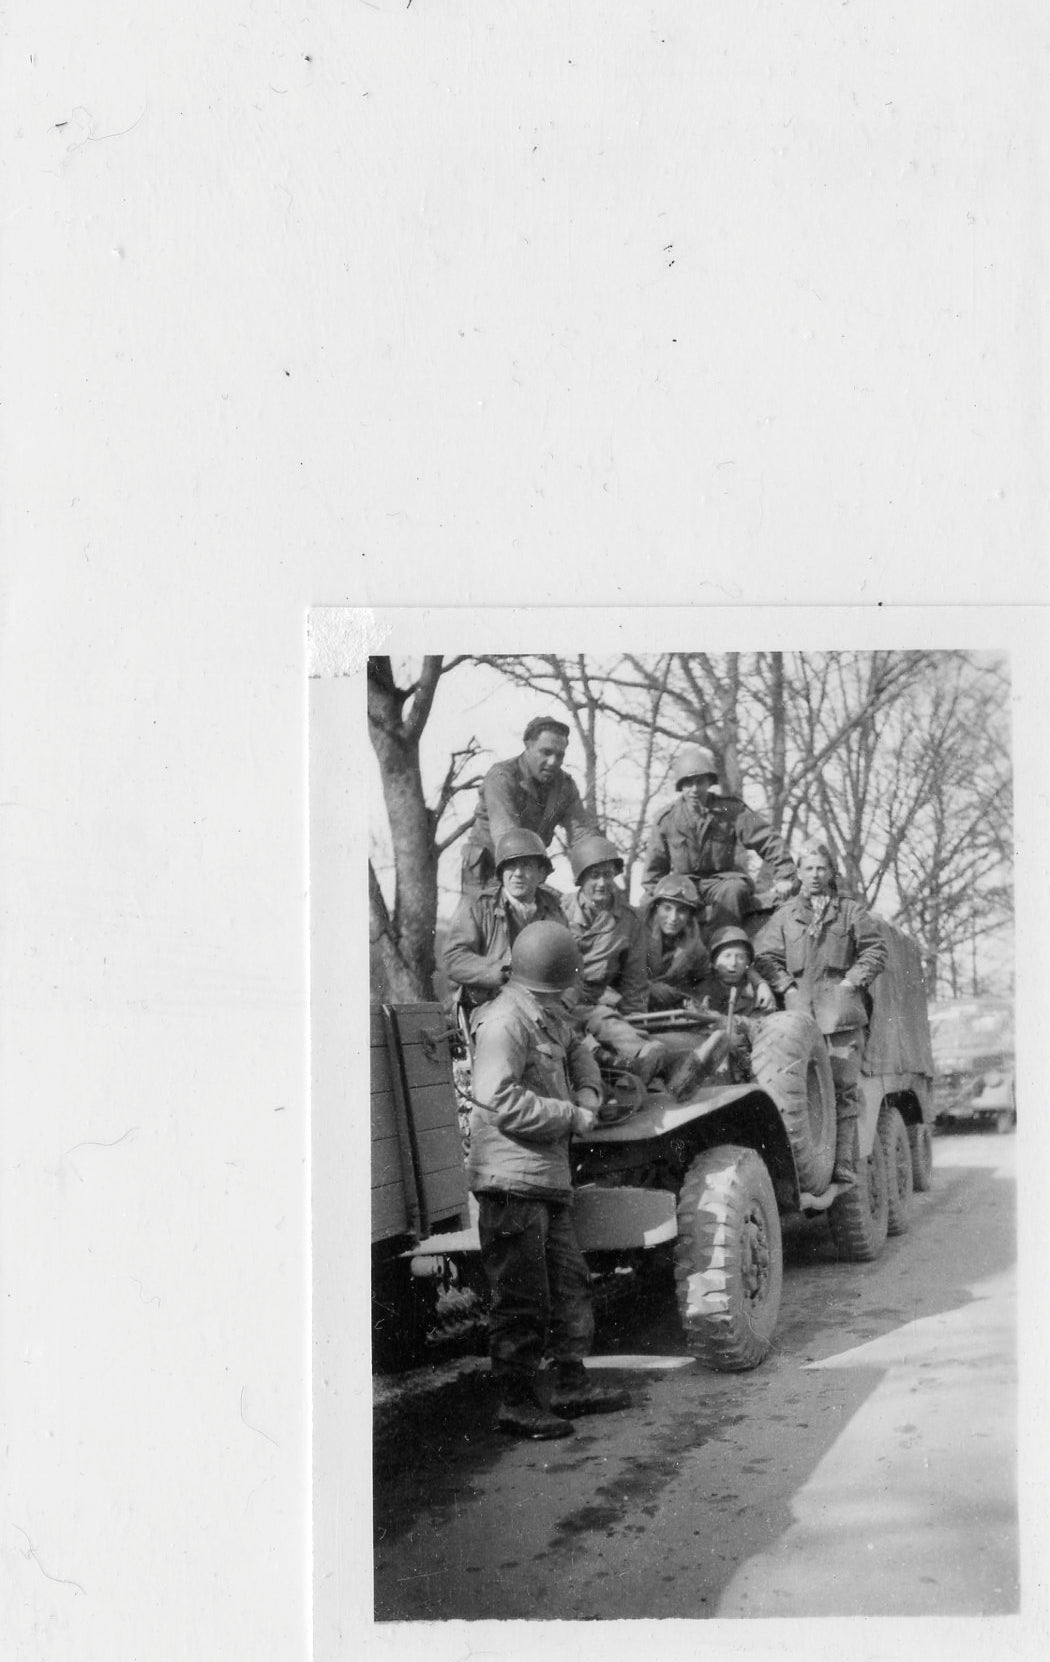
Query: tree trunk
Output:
(405,937)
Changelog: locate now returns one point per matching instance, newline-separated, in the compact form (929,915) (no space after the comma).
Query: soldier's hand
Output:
(583,1120)
(764,1000)
(784,888)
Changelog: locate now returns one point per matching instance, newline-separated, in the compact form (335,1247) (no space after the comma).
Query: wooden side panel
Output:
(435,1123)
(389,1213)
(386,1163)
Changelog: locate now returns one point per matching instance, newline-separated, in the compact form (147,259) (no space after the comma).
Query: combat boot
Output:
(573,1393)
(697,1064)
(651,1061)
(520,1415)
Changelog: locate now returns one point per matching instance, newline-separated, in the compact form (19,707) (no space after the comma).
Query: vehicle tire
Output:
(859,1217)
(789,1059)
(729,1266)
(921,1139)
(901,1182)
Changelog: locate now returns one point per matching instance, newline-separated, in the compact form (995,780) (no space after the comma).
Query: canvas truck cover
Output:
(899,1032)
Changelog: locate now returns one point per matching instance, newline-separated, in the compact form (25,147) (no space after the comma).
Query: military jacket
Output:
(849,940)
(482,931)
(613,947)
(528,1065)
(510,800)
(703,845)
(674,971)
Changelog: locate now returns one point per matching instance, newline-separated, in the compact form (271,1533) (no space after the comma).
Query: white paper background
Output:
(354,302)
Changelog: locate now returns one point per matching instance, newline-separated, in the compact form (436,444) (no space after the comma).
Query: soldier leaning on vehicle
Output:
(534,1083)
(611,938)
(818,952)
(485,925)
(701,835)
(527,792)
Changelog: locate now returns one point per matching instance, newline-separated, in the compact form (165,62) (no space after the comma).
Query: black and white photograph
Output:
(524,810)
(693,1117)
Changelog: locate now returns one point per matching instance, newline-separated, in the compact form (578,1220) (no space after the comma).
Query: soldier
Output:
(529,792)
(485,925)
(732,965)
(677,957)
(611,938)
(817,953)
(534,1084)
(700,837)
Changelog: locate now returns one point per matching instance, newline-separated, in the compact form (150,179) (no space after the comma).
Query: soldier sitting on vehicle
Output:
(485,925)
(701,836)
(529,793)
(611,937)
(732,967)
(818,952)
(677,957)
(535,1083)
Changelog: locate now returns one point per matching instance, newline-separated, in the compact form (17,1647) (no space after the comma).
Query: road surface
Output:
(867,1468)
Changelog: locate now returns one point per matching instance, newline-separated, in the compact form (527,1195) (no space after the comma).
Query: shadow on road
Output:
(613,1486)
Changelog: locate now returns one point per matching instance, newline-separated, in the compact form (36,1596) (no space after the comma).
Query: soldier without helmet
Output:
(818,952)
(527,792)
(700,836)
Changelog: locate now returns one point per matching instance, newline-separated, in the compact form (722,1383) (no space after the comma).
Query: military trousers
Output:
(726,897)
(540,1286)
(845,1049)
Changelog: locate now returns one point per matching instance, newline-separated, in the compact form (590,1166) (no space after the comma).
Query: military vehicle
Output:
(973,1049)
(699,1186)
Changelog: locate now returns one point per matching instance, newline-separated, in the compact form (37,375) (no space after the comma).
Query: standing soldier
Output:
(612,940)
(700,837)
(528,792)
(534,1084)
(486,925)
(817,953)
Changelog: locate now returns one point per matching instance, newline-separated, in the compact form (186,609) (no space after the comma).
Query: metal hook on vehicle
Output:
(430,1041)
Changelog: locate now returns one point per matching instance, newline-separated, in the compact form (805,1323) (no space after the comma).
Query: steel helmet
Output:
(692,762)
(592,851)
(545,958)
(676,887)
(521,845)
(731,935)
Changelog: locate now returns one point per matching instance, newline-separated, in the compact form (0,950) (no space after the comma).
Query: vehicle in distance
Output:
(973,1053)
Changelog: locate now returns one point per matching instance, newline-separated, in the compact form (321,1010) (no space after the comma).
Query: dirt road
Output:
(868,1468)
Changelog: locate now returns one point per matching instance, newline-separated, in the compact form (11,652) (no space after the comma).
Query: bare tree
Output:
(404,932)
(867,748)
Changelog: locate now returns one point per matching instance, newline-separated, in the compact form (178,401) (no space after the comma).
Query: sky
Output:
(475,701)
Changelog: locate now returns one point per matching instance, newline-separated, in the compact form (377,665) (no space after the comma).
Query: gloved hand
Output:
(583,1120)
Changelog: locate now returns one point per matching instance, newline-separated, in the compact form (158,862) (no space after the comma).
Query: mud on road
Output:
(651,1512)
